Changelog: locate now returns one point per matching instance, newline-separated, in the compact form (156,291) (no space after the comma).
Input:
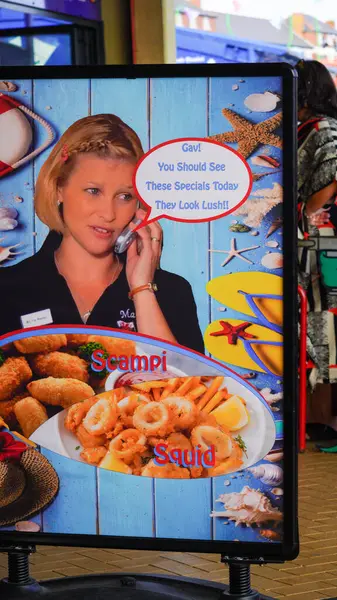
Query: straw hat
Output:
(28,482)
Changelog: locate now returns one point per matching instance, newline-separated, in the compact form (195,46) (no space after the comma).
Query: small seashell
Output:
(235,87)
(261,102)
(222,309)
(8,86)
(27,526)
(272,260)
(227,482)
(48,107)
(234,222)
(272,244)
(18,198)
(254,233)
(8,224)
(268,474)
(8,212)
(274,457)
(277,491)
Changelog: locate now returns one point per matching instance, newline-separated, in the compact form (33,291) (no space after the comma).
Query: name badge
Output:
(35,319)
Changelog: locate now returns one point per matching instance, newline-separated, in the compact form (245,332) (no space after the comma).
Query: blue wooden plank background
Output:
(92,500)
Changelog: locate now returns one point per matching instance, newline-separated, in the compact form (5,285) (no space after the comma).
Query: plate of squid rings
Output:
(177,427)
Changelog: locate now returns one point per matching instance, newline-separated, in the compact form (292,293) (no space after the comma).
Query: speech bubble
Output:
(191,180)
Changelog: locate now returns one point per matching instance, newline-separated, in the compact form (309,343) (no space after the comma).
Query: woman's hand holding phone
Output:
(143,259)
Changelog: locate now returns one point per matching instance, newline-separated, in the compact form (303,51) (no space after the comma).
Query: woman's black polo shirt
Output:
(35,285)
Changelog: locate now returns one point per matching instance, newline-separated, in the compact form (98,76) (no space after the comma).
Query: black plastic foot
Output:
(12,591)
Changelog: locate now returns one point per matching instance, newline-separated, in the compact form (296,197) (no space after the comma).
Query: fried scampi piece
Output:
(60,365)
(74,340)
(60,391)
(87,440)
(31,414)
(114,346)
(14,374)
(169,471)
(41,343)
(94,455)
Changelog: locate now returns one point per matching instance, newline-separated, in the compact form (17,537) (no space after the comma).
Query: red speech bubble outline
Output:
(146,221)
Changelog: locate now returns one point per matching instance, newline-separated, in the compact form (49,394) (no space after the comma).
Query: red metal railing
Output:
(302,408)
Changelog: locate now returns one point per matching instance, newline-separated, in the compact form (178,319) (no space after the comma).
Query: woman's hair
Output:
(104,135)
(316,88)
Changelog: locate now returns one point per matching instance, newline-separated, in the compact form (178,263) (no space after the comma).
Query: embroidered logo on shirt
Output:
(127,314)
(124,325)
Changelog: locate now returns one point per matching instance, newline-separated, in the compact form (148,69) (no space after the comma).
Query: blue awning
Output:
(195,46)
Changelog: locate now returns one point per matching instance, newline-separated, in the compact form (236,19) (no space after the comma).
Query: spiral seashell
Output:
(8,224)
(7,212)
(268,474)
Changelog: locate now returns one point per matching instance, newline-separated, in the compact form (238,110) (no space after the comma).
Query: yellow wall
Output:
(115,16)
(153,25)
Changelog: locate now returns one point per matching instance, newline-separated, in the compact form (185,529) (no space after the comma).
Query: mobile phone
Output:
(126,238)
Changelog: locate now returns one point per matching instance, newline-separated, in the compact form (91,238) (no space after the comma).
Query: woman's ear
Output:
(59,197)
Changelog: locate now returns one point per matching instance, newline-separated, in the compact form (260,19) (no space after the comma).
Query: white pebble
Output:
(234,222)
(254,233)
(227,482)
(48,107)
(235,87)
(272,244)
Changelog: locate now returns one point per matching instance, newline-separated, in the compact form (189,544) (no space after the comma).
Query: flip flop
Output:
(246,344)
(255,294)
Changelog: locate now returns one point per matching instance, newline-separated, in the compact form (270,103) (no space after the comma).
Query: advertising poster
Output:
(142,281)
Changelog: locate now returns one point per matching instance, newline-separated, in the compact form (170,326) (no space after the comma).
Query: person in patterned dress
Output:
(317,190)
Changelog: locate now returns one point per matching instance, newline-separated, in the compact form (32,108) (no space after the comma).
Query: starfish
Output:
(258,208)
(233,332)
(235,252)
(249,135)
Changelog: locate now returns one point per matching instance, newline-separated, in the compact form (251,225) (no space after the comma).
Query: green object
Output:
(239,228)
(332,450)
(328,268)
(241,444)
(229,25)
(2,357)
(85,351)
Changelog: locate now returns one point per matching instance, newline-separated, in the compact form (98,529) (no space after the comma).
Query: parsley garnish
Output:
(85,351)
(2,357)
(241,444)
(77,447)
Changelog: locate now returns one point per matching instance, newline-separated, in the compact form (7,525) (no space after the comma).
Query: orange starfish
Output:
(249,135)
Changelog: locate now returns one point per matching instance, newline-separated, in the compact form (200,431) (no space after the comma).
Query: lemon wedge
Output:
(113,463)
(232,413)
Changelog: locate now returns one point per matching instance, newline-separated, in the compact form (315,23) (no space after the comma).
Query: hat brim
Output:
(42,484)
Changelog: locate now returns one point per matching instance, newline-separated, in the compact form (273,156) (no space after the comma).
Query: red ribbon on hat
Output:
(10,448)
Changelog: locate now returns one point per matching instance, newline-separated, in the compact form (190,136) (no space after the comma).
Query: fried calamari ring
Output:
(128,443)
(128,405)
(101,417)
(207,436)
(151,419)
(184,412)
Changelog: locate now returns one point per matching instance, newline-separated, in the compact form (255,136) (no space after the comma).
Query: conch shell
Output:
(268,474)
(248,507)
(8,218)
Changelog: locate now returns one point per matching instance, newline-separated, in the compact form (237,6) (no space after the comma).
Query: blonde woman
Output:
(84,194)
